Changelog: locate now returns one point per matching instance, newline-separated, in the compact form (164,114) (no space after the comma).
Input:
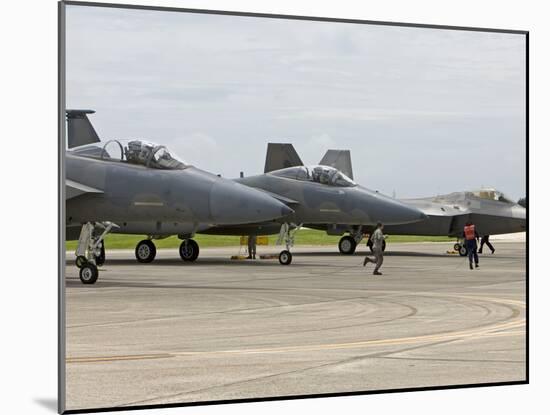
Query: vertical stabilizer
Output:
(280,156)
(80,130)
(339,159)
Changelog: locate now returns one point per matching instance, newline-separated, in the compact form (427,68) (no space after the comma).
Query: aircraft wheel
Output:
(146,251)
(285,257)
(88,273)
(347,245)
(457,247)
(369,244)
(463,251)
(189,251)
(80,261)
(100,259)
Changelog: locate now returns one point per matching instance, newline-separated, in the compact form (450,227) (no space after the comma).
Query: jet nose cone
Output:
(389,211)
(232,203)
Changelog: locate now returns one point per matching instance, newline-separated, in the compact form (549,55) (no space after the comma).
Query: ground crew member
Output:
(485,240)
(470,238)
(251,247)
(377,239)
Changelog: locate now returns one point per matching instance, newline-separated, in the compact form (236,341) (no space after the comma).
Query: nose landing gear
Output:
(90,251)
(460,247)
(287,235)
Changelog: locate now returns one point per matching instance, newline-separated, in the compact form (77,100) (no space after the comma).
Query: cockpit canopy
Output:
(492,194)
(319,174)
(139,152)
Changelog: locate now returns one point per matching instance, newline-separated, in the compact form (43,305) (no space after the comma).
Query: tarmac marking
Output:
(490,330)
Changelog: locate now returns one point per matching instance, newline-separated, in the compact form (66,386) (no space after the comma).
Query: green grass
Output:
(303,237)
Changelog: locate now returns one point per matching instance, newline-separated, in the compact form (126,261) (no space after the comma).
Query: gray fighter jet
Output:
(137,187)
(490,210)
(321,196)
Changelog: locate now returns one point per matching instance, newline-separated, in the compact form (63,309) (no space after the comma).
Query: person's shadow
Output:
(48,403)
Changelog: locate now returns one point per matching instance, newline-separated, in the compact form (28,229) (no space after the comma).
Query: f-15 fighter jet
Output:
(139,187)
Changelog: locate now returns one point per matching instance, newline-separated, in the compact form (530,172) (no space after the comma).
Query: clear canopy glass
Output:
(320,174)
(492,194)
(138,152)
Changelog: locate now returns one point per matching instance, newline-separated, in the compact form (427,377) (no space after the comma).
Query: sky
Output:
(423,111)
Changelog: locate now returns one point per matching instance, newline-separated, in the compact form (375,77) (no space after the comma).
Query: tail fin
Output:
(280,156)
(80,130)
(339,159)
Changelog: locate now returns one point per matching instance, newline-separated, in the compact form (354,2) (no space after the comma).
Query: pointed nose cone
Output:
(389,211)
(232,203)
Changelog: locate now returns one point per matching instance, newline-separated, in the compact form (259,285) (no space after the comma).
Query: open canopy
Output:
(492,194)
(319,174)
(138,152)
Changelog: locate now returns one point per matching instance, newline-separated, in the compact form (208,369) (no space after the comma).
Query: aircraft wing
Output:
(280,156)
(74,189)
(339,159)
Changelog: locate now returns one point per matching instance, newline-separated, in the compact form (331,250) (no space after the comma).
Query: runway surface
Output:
(171,332)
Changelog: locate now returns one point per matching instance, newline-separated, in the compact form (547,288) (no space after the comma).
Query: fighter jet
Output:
(490,210)
(321,196)
(137,187)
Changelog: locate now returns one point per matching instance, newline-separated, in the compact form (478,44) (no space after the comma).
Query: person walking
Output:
(377,239)
(470,237)
(251,247)
(485,240)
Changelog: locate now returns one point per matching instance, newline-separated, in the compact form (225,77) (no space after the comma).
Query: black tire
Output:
(80,261)
(369,244)
(88,273)
(463,251)
(456,247)
(347,245)
(189,250)
(100,259)
(146,251)
(285,257)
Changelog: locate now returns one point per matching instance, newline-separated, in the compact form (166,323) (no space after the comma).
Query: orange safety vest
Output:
(470,232)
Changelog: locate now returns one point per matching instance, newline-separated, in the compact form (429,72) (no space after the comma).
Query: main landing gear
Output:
(348,243)
(90,251)
(286,235)
(370,244)
(146,250)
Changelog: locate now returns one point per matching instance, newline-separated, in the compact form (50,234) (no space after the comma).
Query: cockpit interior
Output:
(138,152)
(320,174)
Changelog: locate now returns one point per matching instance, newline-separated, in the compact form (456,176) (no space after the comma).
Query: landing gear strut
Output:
(90,251)
(287,236)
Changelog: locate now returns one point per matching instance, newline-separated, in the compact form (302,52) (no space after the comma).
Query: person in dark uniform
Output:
(251,247)
(485,240)
(470,238)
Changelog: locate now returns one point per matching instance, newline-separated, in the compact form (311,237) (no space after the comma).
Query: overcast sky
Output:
(423,111)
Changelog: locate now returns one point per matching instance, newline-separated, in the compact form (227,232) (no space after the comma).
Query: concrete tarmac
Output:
(217,329)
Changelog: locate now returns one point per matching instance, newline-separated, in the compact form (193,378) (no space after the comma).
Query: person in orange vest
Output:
(470,237)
